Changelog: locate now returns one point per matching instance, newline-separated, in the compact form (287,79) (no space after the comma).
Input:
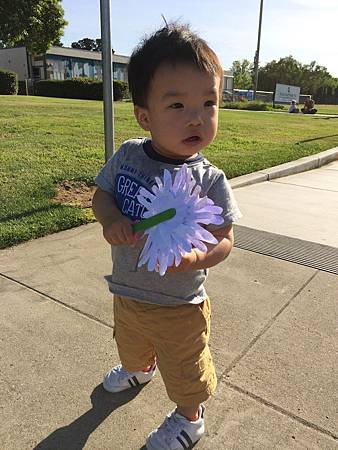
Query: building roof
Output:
(84,54)
(228,73)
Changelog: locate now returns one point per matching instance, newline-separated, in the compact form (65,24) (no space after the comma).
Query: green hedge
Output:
(81,88)
(22,88)
(8,82)
(121,90)
(252,105)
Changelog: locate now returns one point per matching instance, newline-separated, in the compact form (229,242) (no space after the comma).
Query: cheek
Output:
(214,125)
(170,122)
(164,127)
(214,119)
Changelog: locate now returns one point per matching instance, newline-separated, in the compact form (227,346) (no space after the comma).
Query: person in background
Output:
(309,107)
(293,107)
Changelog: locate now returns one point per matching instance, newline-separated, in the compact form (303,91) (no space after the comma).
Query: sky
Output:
(304,29)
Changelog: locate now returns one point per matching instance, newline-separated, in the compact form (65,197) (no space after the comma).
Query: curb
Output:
(289,168)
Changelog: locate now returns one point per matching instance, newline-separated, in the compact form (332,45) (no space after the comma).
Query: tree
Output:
(242,71)
(94,45)
(286,71)
(37,24)
(57,43)
(309,77)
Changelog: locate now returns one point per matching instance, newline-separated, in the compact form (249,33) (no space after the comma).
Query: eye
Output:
(210,103)
(176,105)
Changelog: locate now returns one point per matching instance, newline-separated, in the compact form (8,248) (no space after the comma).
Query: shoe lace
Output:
(121,373)
(170,427)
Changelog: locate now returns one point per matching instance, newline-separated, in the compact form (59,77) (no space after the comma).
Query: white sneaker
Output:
(118,379)
(176,433)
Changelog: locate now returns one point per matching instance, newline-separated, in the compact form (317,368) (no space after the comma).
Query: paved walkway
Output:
(272,339)
(303,206)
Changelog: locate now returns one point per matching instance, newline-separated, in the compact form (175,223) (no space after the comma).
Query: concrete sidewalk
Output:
(272,337)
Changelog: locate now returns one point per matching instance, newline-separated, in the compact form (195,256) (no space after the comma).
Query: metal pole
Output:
(107,78)
(256,62)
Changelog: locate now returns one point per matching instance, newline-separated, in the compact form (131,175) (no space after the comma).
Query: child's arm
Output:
(117,229)
(196,259)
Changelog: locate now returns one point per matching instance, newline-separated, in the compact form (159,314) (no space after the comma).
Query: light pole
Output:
(256,61)
(107,79)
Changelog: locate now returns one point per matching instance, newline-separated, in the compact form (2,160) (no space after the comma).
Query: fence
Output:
(327,95)
(26,87)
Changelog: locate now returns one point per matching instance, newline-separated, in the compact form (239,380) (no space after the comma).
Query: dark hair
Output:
(172,44)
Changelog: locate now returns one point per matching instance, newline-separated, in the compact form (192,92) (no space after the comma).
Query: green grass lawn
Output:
(44,141)
(327,109)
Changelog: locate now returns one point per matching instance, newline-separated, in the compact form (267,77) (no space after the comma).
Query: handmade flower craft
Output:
(168,241)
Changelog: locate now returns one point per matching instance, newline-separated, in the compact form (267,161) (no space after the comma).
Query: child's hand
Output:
(120,232)
(187,263)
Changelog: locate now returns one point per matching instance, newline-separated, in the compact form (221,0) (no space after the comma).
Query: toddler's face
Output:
(182,110)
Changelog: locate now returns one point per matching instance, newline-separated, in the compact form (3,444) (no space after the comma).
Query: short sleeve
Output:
(106,177)
(222,195)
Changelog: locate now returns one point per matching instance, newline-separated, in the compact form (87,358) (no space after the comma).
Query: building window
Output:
(58,69)
(97,70)
(119,72)
(36,73)
(62,68)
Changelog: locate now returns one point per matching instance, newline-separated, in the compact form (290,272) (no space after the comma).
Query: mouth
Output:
(192,140)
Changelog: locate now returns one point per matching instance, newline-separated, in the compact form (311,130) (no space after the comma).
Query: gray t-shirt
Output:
(133,166)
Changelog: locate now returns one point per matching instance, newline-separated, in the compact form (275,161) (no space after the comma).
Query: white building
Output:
(60,63)
(15,59)
(228,78)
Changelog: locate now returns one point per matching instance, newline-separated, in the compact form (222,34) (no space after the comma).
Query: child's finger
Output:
(128,234)
(137,236)
(119,237)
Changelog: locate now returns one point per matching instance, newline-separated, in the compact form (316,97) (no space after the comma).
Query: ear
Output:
(142,117)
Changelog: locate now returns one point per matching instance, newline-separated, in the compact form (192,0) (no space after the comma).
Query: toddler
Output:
(176,83)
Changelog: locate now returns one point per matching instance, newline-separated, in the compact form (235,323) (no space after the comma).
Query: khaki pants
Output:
(176,337)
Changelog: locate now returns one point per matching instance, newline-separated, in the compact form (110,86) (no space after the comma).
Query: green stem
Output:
(154,220)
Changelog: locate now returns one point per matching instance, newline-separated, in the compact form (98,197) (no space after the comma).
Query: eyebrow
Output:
(175,94)
(172,94)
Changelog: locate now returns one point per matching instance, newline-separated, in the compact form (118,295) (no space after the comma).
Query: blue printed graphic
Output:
(127,189)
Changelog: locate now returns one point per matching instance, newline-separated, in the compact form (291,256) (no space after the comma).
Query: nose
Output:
(194,119)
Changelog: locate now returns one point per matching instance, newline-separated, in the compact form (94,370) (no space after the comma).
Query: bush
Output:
(8,82)
(257,106)
(121,90)
(232,105)
(281,107)
(80,88)
(251,106)
(22,88)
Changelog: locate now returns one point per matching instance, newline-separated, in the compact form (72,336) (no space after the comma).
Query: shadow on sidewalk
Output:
(75,435)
